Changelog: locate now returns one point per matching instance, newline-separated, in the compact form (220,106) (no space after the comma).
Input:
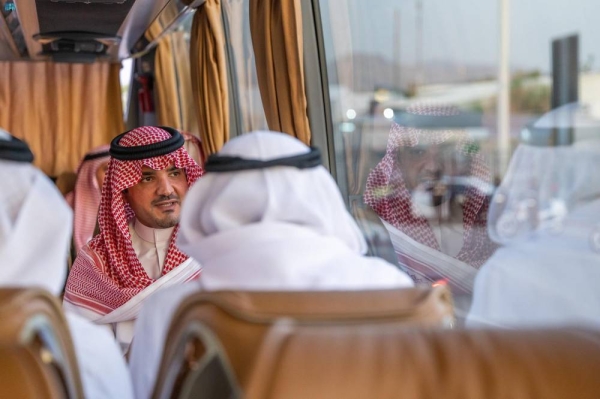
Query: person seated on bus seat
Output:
(266,216)
(135,255)
(85,198)
(35,229)
(546,216)
(431,190)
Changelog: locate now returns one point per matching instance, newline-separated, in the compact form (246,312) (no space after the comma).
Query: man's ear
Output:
(125,194)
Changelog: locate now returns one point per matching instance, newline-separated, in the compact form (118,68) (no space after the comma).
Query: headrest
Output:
(240,320)
(33,319)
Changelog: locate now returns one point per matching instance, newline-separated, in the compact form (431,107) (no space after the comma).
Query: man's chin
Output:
(424,204)
(166,223)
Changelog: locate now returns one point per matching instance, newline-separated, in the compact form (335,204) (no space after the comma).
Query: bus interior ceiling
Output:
(74,31)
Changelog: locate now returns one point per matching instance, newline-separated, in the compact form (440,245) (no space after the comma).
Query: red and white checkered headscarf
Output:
(387,194)
(123,276)
(86,197)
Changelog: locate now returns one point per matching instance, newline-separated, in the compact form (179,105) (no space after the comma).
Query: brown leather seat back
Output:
(32,319)
(202,369)
(25,375)
(240,320)
(298,361)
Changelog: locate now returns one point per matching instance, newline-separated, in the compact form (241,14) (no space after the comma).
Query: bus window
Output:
(461,133)
(125,80)
(246,100)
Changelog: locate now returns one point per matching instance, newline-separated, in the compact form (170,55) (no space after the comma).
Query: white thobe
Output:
(35,228)
(258,257)
(150,246)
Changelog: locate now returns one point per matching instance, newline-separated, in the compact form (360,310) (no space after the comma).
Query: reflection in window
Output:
(431,191)
(408,189)
(546,215)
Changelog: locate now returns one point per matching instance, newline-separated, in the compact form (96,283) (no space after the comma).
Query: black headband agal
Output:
(95,155)
(146,151)
(219,163)
(15,150)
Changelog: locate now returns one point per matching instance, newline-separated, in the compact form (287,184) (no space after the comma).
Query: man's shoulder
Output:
(88,256)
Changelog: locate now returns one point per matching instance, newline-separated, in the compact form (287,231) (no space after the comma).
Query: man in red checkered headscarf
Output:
(431,190)
(135,254)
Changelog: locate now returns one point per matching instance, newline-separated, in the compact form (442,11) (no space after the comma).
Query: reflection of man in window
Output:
(431,190)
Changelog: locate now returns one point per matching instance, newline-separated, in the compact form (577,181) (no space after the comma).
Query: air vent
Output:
(77,46)
(49,37)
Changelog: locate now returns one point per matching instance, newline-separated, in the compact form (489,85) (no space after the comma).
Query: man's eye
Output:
(176,173)
(147,178)
(417,151)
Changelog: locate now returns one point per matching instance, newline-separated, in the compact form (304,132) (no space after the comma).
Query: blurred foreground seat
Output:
(37,357)
(349,362)
(231,328)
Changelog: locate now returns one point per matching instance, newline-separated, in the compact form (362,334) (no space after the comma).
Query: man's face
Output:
(156,199)
(425,164)
(421,165)
(427,170)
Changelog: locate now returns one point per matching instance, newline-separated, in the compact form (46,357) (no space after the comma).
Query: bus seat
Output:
(26,375)
(240,321)
(33,319)
(384,361)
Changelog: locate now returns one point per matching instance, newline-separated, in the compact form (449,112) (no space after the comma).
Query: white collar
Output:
(150,234)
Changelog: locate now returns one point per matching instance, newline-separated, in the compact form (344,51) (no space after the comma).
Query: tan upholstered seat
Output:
(298,361)
(240,320)
(34,326)
(24,375)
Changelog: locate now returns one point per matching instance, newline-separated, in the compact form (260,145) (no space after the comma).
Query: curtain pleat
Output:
(209,76)
(61,110)
(276,27)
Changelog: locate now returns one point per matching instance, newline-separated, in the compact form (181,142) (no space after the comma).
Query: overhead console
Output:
(75,30)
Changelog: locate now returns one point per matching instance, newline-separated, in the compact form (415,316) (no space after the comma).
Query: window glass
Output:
(171,103)
(462,175)
(247,102)
(125,80)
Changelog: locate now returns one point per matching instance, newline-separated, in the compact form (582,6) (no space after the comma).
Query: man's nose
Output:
(433,162)
(164,186)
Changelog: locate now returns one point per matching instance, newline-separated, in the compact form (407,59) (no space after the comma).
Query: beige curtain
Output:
(276,27)
(209,76)
(172,75)
(61,110)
